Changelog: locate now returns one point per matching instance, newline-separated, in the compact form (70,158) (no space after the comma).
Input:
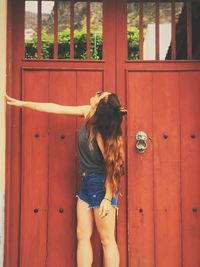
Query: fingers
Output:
(8,97)
(10,100)
(104,209)
(13,101)
(104,213)
(101,210)
(5,95)
(10,103)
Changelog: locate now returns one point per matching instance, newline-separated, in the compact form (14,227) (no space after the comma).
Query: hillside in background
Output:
(80,10)
(96,16)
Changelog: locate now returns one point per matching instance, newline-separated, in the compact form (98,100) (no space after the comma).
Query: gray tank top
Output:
(90,160)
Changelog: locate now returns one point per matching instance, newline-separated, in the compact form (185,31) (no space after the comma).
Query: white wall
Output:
(3,17)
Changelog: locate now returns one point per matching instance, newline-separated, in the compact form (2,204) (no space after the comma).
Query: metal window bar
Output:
(173,43)
(88,30)
(189,28)
(72,29)
(157,30)
(141,26)
(39,50)
(55,30)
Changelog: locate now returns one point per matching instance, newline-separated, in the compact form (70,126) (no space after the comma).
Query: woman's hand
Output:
(13,101)
(104,207)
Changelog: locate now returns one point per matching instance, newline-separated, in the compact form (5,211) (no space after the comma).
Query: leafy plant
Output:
(80,39)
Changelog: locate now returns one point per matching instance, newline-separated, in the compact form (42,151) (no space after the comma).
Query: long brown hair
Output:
(107,121)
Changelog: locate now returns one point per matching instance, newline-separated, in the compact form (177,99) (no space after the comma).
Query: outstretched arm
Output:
(49,107)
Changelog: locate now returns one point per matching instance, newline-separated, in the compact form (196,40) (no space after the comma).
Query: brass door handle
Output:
(141,141)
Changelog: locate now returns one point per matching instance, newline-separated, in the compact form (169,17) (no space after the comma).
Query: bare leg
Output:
(106,229)
(85,223)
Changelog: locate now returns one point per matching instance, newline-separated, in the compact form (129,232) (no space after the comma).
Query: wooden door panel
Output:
(34,183)
(166,154)
(140,172)
(165,105)
(62,172)
(190,167)
(50,168)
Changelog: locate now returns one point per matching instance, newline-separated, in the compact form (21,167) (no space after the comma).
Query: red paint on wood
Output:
(166,156)
(190,167)
(109,35)
(82,80)
(62,173)
(140,172)
(14,136)
(58,222)
(11,235)
(34,183)
(120,87)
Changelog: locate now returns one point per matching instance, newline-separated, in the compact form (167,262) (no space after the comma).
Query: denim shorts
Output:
(93,190)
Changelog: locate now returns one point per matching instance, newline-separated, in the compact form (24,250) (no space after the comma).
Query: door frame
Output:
(115,70)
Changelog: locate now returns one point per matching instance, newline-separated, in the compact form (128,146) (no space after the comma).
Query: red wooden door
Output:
(43,146)
(163,198)
(158,222)
(48,204)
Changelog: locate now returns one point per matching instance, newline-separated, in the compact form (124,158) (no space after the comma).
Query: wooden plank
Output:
(171,65)
(34,184)
(13,133)
(121,54)
(8,250)
(166,147)
(190,167)
(62,173)
(109,34)
(140,172)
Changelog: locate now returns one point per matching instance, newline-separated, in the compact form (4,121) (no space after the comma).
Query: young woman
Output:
(101,167)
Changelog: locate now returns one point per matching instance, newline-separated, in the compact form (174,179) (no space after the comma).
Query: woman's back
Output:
(91,160)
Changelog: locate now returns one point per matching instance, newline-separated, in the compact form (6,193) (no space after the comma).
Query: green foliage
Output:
(31,48)
(133,43)
(79,45)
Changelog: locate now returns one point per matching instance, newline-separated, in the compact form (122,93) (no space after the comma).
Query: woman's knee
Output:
(83,234)
(106,238)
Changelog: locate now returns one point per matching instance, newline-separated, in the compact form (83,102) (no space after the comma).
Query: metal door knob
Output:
(141,141)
